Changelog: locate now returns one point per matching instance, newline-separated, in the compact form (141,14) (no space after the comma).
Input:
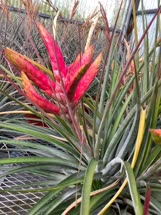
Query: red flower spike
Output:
(80,75)
(37,76)
(36,98)
(55,53)
(87,79)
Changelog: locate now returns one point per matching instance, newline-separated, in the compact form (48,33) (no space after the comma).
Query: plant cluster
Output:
(99,152)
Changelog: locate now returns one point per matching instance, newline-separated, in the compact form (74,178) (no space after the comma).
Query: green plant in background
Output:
(97,157)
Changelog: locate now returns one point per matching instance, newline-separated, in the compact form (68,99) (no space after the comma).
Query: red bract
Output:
(87,79)
(36,98)
(42,80)
(84,59)
(55,53)
(77,71)
(69,82)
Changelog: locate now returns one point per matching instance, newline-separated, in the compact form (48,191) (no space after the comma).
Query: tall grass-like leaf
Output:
(36,159)
(87,185)
(133,190)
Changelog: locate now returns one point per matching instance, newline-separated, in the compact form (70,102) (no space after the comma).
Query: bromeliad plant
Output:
(98,157)
(58,91)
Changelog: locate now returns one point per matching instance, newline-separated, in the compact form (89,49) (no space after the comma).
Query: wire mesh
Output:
(18,203)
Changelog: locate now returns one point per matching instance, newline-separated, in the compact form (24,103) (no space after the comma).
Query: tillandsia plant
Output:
(64,86)
(97,155)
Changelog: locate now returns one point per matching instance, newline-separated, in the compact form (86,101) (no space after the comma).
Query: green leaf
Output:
(56,161)
(133,190)
(60,199)
(87,185)
(68,182)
